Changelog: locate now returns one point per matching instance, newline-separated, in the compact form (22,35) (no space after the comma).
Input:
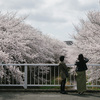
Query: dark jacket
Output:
(81,65)
(63,70)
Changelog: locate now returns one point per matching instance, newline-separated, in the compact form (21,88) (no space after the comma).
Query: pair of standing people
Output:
(80,70)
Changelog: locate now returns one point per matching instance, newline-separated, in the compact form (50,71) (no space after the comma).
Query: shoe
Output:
(64,92)
(81,93)
(60,91)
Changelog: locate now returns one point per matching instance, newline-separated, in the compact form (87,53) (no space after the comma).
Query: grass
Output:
(93,88)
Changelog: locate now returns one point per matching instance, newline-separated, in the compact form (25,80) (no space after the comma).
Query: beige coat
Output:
(63,70)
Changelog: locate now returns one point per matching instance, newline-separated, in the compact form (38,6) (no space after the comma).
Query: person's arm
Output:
(76,62)
(59,66)
(65,67)
(86,60)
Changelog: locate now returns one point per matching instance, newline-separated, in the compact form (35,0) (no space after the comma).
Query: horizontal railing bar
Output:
(11,85)
(65,85)
(32,64)
(37,64)
(48,64)
(48,85)
(93,64)
(93,85)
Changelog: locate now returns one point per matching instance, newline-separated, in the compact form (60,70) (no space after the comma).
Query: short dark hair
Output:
(62,58)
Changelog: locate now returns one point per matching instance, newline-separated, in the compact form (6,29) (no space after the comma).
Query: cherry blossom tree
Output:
(87,41)
(22,43)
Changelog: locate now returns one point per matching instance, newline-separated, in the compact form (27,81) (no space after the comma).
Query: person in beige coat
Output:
(64,74)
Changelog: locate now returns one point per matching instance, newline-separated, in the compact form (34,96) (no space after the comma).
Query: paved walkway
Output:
(47,96)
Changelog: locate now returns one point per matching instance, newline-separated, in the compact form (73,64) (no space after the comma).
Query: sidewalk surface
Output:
(48,96)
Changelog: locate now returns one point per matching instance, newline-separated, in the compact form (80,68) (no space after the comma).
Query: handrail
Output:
(41,64)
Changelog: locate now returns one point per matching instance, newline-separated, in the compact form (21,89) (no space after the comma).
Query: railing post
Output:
(25,81)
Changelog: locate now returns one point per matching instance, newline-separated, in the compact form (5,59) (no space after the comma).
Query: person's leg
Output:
(63,87)
(63,84)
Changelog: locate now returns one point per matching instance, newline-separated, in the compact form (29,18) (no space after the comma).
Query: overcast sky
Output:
(53,17)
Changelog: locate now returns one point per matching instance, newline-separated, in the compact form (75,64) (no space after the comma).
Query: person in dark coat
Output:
(81,73)
(63,72)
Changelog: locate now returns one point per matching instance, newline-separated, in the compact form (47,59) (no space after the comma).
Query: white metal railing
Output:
(41,75)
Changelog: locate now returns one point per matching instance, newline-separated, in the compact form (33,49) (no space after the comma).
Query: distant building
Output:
(69,42)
